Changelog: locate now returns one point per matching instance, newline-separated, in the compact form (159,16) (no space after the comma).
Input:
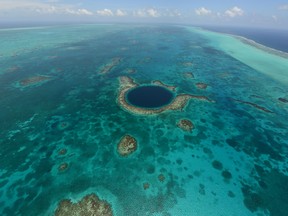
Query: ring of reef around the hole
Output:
(178,103)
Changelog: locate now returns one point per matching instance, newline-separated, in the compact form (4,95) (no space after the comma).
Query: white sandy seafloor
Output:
(267,63)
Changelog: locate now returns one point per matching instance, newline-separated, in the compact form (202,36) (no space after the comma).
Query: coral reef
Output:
(161,177)
(34,80)
(254,105)
(179,102)
(110,65)
(63,125)
(62,151)
(186,125)
(146,185)
(188,75)
(87,206)
(201,85)
(159,83)
(187,64)
(63,167)
(127,145)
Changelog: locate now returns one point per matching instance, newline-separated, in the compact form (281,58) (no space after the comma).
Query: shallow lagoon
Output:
(234,162)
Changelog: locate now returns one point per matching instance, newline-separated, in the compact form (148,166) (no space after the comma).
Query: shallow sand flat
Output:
(267,63)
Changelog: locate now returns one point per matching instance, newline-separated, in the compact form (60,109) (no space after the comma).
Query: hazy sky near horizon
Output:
(267,13)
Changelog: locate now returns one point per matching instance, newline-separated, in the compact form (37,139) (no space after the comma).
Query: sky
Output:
(250,13)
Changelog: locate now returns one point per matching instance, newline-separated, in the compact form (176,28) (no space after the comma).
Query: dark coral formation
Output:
(87,206)
(217,165)
(284,100)
(186,125)
(127,145)
(226,174)
(273,197)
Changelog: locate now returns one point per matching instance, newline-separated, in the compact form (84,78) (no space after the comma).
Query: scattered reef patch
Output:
(188,75)
(186,125)
(127,145)
(87,206)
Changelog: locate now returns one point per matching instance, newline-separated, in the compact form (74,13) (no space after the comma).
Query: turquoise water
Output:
(234,162)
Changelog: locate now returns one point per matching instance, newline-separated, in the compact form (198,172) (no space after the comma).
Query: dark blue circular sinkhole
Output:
(149,96)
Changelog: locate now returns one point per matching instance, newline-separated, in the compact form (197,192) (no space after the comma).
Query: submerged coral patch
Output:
(188,75)
(63,125)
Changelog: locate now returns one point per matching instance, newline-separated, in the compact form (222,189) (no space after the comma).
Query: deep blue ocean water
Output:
(58,109)
(149,96)
(273,38)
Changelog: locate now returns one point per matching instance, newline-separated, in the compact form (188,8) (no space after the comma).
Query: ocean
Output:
(69,136)
(273,38)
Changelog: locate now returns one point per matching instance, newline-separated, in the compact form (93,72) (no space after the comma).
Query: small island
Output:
(127,146)
(88,205)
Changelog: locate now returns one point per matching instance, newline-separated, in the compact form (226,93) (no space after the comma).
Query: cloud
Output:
(105,12)
(28,7)
(150,12)
(83,12)
(233,12)
(275,18)
(120,13)
(172,13)
(283,7)
(203,11)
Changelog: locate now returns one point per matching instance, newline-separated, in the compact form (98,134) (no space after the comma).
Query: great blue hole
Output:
(150,97)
